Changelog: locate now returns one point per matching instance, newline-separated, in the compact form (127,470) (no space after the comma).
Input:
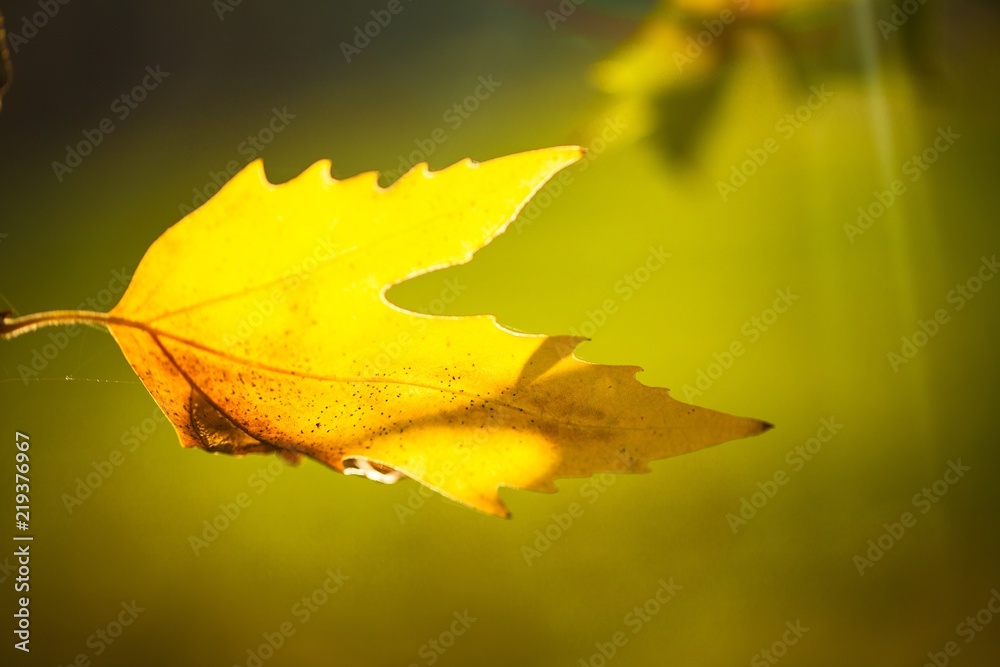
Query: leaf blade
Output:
(252,341)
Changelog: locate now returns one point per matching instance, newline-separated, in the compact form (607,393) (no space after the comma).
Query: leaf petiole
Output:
(13,327)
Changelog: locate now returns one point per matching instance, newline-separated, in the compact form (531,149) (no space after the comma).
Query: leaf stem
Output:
(13,327)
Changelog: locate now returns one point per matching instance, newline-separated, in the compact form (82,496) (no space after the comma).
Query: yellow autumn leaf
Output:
(259,323)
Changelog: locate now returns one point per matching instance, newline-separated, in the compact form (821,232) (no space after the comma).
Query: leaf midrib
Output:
(157,334)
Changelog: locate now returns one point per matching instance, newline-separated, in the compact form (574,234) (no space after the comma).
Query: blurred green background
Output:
(409,573)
